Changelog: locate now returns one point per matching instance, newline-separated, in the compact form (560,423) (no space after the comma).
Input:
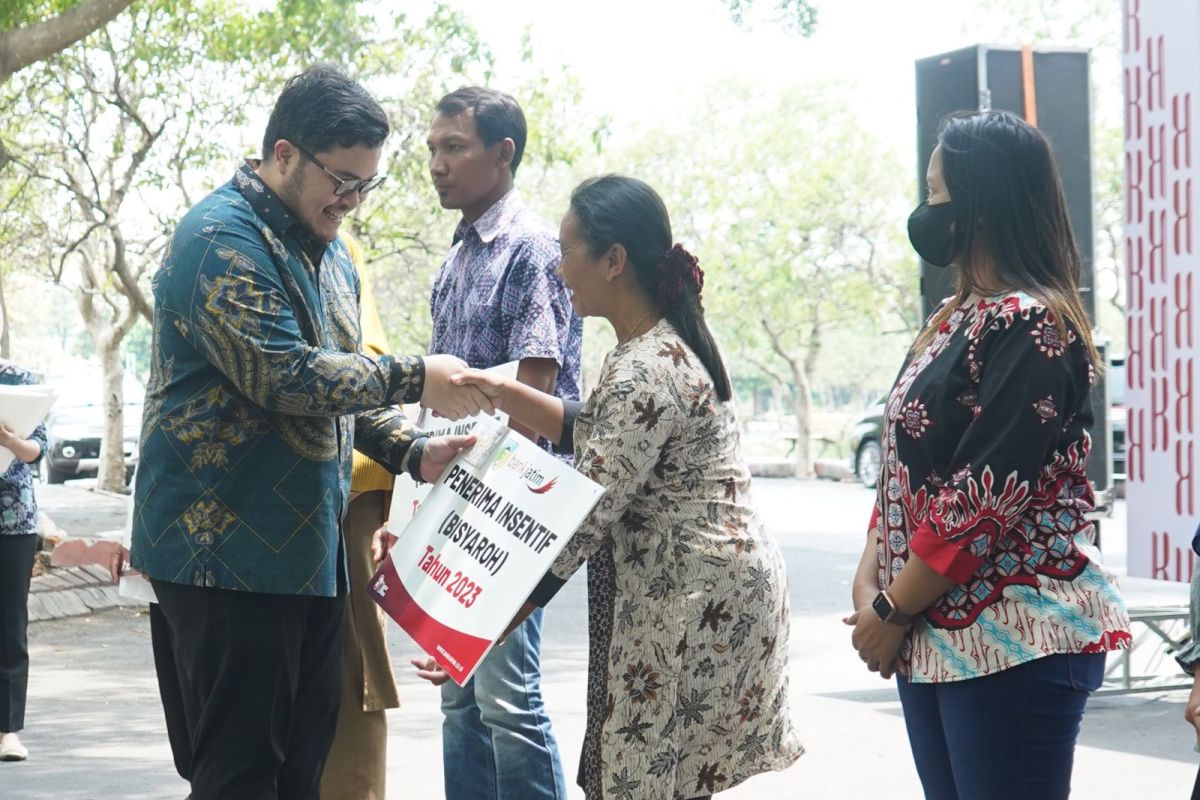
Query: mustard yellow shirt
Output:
(367,475)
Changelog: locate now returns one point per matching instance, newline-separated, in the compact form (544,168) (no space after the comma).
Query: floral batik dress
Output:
(985,451)
(687,593)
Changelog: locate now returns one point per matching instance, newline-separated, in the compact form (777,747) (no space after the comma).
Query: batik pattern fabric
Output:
(985,448)
(688,593)
(498,297)
(257,395)
(18,505)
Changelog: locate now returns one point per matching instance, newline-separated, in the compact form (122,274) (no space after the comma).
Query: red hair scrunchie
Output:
(678,268)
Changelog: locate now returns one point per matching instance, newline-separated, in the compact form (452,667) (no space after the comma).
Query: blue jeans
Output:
(1006,736)
(496,738)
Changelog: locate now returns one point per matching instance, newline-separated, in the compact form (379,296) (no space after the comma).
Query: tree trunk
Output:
(112,447)
(802,407)
(800,393)
(21,47)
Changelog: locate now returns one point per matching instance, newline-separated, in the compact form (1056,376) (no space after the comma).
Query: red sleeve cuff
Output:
(945,558)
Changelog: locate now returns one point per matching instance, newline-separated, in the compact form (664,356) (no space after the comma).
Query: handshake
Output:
(455,391)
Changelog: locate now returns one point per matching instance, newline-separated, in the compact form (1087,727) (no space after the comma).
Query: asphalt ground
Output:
(95,730)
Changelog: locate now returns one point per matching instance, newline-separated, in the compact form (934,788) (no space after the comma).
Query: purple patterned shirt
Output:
(497,297)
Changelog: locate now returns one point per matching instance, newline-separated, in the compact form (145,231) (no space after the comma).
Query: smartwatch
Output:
(887,611)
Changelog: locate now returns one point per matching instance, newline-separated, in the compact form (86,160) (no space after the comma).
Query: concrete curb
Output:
(73,592)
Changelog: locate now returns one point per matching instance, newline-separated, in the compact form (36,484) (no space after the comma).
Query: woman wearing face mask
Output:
(980,583)
(687,593)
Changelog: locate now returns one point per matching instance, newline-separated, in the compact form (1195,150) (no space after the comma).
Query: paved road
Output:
(96,733)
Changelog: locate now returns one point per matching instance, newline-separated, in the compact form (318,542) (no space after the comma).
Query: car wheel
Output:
(867,463)
(54,475)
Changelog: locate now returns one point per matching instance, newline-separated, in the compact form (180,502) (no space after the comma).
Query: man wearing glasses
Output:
(257,395)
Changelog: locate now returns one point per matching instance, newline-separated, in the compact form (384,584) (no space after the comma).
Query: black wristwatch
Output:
(415,451)
(887,610)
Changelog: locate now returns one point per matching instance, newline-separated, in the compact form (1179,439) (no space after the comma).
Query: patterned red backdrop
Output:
(1162,99)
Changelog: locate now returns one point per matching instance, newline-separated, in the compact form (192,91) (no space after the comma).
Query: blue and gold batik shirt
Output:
(257,396)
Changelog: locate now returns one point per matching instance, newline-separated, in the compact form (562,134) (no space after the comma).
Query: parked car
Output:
(865,448)
(73,435)
(75,427)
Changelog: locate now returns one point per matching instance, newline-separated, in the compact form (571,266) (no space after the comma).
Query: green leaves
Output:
(796,209)
(14,13)
(797,16)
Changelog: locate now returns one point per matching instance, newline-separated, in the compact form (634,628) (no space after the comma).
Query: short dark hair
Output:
(498,116)
(322,108)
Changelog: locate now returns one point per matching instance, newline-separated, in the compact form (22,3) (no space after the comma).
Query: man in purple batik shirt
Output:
(498,298)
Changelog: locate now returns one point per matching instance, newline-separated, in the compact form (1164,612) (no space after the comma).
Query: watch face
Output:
(882,607)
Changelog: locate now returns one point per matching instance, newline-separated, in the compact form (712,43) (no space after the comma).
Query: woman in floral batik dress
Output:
(687,593)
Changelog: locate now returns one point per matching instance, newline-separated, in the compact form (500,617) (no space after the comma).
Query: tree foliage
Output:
(796,211)
(798,16)
(122,132)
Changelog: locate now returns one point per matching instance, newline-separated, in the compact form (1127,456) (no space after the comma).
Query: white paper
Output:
(22,408)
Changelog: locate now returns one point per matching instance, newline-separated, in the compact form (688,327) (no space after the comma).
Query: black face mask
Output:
(930,234)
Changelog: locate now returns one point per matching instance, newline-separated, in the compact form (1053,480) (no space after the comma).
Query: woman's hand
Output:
(24,449)
(1191,711)
(439,452)
(430,670)
(381,542)
(447,399)
(877,642)
(8,437)
(489,383)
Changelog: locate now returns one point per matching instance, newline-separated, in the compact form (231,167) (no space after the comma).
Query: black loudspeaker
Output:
(987,77)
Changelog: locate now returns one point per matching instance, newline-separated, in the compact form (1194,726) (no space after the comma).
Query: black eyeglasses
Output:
(344,186)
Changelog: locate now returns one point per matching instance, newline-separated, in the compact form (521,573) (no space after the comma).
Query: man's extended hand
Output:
(445,397)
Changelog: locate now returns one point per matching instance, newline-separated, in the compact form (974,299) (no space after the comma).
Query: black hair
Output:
(497,116)
(615,209)
(1009,204)
(322,108)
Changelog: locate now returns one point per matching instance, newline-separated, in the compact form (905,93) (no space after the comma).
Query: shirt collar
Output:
(494,220)
(272,210)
